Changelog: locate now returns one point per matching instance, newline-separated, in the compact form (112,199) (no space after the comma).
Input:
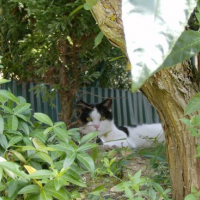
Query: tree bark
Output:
(169,91)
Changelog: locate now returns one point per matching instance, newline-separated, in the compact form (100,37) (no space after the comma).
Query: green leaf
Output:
(30,189)
(87,161)
(185,121)
(87,146)
(14,140)
(8,95)
(69,160)
(14,168)
(21,108)
(43,118)
(187,46)
(1,124)
(152,194)
(129,193)
(91,2)
(45,195)
(19,156)
(24,127)
(3,141)
(7,109)
(63,147)
(87,7)
(88,137)
(62,134)
(45,157)
(196,120)
(12,122)
(61,194)
(47,130)
(75,181)
(98,39)
(39,145)
(193,105)
(148,55)
(2,81)
(191,197)
(41,174)
(59,182)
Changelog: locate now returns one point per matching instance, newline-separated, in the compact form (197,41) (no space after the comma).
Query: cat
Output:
(98,117)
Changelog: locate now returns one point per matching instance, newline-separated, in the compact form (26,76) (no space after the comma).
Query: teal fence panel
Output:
(128,108)
(37,104)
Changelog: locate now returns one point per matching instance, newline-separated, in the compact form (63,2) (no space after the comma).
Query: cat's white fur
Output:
(140,136)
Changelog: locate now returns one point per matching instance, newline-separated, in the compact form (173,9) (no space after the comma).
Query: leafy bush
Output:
(41,160)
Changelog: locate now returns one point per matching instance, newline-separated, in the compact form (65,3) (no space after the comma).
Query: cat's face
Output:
(95,117)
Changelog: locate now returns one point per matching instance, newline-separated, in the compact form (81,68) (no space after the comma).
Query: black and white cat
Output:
(98,117)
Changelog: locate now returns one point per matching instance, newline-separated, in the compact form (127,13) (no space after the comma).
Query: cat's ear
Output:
(107,103)
(81,104)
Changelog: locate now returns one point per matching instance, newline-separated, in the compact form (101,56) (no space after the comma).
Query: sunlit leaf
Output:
(41,174)
(43,118)
(8,95)
(151,34)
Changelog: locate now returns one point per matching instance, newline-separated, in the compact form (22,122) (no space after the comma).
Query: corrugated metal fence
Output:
(128,108)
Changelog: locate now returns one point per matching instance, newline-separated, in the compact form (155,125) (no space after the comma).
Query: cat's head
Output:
(95,117)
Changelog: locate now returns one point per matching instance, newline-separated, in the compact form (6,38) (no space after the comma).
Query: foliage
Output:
(38,37)
(166,44)
(45,160)
(41,159)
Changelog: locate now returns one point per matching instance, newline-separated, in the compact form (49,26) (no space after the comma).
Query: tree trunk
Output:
(169,92)
(67,90)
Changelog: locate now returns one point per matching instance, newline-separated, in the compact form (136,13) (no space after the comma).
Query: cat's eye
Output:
(102,118)
(88,119)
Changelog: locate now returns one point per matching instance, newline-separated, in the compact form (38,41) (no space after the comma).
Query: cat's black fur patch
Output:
(103,109)
(99,141)
(124,129)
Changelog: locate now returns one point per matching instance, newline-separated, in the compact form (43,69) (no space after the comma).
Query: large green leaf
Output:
(2,81)
(151,34)
(43,118)
(88,137)
(12,122)
(187,46)
(87,161)
(41,174)
(75,181)
(69,159)
(8,95)
(14,140)
(14,168)
(29,189)
(21,108)
(62,134)
(61,194)
(44,195)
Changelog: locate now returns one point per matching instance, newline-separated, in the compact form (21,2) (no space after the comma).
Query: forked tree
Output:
(169,91)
